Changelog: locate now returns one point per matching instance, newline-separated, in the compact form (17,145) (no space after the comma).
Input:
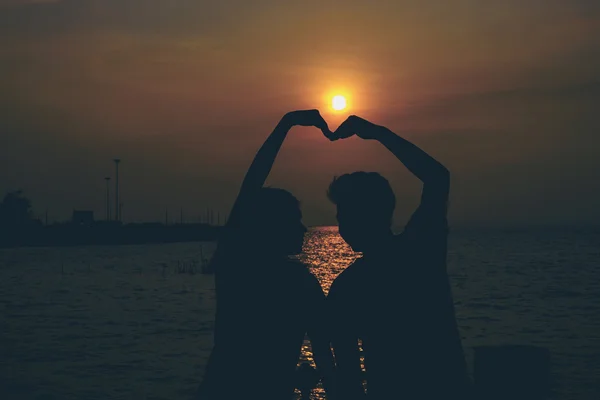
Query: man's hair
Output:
(362,189)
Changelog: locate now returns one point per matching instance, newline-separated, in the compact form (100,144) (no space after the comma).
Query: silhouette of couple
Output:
(396,299)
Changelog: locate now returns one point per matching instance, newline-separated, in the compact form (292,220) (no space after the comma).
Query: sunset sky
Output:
(505,93)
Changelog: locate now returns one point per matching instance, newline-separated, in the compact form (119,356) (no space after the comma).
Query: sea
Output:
(136,322)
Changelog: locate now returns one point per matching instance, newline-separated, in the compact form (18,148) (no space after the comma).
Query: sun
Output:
(338,102)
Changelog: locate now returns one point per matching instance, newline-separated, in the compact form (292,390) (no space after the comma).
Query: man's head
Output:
(273,222)
(365,207)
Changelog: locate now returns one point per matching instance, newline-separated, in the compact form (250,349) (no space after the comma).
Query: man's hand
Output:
(354,125)
(307,118)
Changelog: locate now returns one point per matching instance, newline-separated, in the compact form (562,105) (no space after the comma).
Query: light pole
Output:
(107,179)
(117,208)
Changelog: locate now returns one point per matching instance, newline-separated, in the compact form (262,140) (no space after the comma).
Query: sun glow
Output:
(338,102)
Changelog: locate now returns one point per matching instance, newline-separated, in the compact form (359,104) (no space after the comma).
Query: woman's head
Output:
(272,222)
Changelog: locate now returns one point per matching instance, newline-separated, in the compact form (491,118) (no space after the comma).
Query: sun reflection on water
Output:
(326,255)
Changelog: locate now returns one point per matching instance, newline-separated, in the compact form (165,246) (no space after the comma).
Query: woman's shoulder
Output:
(349,277)
(297,267)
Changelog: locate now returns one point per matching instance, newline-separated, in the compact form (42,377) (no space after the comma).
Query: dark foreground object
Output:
(307,378)
(512,372)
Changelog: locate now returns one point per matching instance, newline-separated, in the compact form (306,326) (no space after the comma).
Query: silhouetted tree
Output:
(15,210)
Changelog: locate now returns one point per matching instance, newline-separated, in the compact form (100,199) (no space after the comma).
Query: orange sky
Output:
(185,92)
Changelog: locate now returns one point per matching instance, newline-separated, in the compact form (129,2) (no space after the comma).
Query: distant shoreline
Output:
(592,228)
(70,235)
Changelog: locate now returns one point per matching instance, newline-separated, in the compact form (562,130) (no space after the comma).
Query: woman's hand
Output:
(307,118)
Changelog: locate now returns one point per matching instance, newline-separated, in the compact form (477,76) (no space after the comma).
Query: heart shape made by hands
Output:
(353,125)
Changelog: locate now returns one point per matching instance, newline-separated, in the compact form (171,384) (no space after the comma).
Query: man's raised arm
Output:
(421,164)
(435,177)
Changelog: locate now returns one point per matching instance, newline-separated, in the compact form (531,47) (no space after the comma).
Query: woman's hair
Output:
(263,215)
(268,208)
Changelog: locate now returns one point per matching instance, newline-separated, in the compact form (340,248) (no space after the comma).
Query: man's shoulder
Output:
(396,245)
(398,239)
(300,274)
(349,277)
(353,270)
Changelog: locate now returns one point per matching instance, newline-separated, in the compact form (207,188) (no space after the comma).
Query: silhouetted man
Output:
(397,297)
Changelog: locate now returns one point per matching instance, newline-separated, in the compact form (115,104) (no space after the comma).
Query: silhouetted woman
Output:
(266,302)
